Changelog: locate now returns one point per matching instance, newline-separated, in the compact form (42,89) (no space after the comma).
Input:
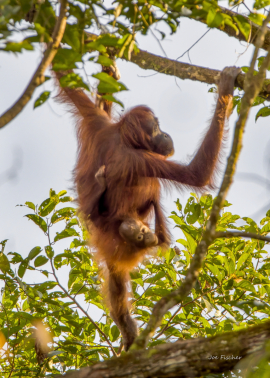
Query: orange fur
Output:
(133,176)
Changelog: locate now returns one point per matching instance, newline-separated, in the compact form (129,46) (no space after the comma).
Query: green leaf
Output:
(40,260)
(62,193)
(261,4)
(34,252)
(191,242)
(263,112)
(257,18)
(242,259)
(55,353)
(114,333)
(206,201)
(187,256)
(231,263)
(95,46)
(49,251)
(108,40)
(66,199)
(38,221)
(16,47)
(22,268)
(216,272)
(214,18)
(65,59)
(108,84)
(243,25)
(48,205)
(247,286)
(73,80)
(30,205)
(72,37)
(258,101)
(4,263)
(113,99)
(266,228)
(176,218)
(3,244)
(66,234)
(194,214)
(65,213)
(104,61)
(42,98)
(178,205)
(228,21)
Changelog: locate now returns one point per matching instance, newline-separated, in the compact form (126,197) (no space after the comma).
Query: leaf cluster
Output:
(231,292)
(25,24)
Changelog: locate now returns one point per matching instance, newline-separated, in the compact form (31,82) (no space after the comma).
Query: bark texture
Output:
(183,359)
(184,71)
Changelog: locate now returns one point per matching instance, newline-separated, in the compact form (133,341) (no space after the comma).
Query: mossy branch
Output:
(38,77)
(187,358)
(184,71)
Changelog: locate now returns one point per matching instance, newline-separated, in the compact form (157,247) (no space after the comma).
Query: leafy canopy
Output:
(232,290)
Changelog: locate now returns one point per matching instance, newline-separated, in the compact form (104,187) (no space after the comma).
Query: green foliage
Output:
(258,4)
(126,18)
(73,80)
(232,290)
(108,84)
(42,98)
(264,111)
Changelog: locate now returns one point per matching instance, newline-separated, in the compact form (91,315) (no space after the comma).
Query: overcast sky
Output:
(40,145)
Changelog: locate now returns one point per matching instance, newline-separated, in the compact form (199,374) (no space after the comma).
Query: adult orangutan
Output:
(118,173)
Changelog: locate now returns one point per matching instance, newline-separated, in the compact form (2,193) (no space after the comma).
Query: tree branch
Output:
(183,359)
(231,32)
(38,77)
(235,234)
(252,88)
(149,61)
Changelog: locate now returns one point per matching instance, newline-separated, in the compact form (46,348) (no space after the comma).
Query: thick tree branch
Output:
(38,77)
(182,359)
(252,88)
(235,234)
(231,32)
(184,71)
(149,61)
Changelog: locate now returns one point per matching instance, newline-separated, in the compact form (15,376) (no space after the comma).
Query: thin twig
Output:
(38,77)
(194,44)
(151,31)
(77,304)
(82,310)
